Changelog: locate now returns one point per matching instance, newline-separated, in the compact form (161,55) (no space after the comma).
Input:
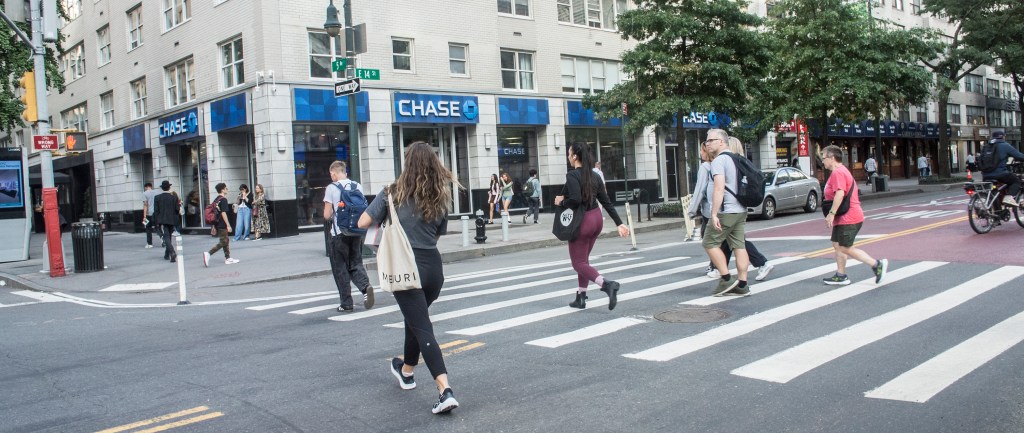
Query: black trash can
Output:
(880,184)
(87,243)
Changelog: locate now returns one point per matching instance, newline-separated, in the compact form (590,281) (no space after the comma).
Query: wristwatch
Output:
(831,212)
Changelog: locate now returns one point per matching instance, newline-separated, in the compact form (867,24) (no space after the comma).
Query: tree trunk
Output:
(942,159)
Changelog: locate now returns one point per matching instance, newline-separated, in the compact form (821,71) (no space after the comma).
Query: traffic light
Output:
(28,97)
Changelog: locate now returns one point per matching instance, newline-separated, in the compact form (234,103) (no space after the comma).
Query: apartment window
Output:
(73,8)
(904,114)
(580,75)
(232,69)
(519,8)
(107,110)
(176,12)
(322,51)
(1008,91)
(72,63)
(516,70)
(922,115)
(993,88)
(897,4)
(599,14)
(953,116)
(915,6)
(995,118)
(181,83)
(401,54)
(75,118)
(974,83)
(134,27)
(103,45)
(458,59)
(139,98)
(975,115)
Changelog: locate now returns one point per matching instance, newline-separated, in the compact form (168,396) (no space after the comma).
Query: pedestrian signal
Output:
(76,142)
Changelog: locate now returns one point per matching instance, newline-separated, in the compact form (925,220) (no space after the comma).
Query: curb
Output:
(16,282)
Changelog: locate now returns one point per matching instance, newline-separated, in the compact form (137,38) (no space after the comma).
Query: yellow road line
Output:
(155,420)
(464,348)
(452,344)
(889,236)
(183,422)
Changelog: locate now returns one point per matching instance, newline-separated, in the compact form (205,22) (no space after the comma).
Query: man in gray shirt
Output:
(346,248)
(728,217)
(148,197)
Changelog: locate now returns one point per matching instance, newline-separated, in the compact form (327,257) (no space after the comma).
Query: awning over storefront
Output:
(518,111)
(866,129)
(320,105)
(134,138)
(180,126)
(229,112)
(436,108)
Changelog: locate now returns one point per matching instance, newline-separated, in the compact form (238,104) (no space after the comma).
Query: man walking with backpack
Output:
(531,189)
(992,163)
(344,203)
(728,216)
(220,223)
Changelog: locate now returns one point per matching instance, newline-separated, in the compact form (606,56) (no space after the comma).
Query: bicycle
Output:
(986,210)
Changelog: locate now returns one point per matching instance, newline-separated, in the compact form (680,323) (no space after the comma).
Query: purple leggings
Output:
(580,248)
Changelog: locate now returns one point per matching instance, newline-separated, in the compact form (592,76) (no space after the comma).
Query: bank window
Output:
(458,59)
(897,4)
(607,143)
(323,50)
(232,67)
(103,45)
(401,54)
(953,115)
(581,75)
(107,110)
(72,63)
(600,14)
(975,115)
(73,8)
(516,70)
(134,27)
(75,118)
(138,98)
(176,12)
(519,8)
(181,83)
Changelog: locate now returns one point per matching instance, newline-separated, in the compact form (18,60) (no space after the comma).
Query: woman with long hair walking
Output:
(493,192)
(243,212)
(260,219)
(506,194)
(421,197)
(583,189)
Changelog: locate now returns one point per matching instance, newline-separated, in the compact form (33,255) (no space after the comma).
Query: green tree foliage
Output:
(15,60)
(1005,29)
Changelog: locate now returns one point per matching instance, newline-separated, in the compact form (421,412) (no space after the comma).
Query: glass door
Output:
(443,141)
(671,172)
(194,182)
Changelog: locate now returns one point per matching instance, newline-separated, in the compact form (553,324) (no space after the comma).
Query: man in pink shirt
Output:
(840,187)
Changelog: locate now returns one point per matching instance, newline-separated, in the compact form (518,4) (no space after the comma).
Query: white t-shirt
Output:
(922,162)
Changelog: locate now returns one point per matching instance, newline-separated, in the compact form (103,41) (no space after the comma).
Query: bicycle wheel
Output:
(1018,214)
(978,215)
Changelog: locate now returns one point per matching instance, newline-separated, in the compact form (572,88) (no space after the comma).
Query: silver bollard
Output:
(180,251)
(465,230)
(504,226)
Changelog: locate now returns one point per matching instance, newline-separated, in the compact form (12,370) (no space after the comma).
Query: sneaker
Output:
(713,273)
(524,219)
(739,291)
(206,259)
(445,403)
(368,297)
(405,382)
(612,289)
(837,280)
(726,285)
(148,246)
(257,239)
(880,267)
(345,308)
(763,271)
(231,261)
(1009,201)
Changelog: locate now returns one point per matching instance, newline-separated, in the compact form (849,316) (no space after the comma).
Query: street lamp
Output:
(333,28)
(332,25)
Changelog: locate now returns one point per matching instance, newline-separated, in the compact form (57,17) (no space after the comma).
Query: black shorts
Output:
(845,235)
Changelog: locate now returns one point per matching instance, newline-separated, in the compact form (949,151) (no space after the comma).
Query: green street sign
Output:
(339,65)
(368,74)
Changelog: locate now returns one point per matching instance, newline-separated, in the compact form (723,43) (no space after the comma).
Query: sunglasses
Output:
(710,140)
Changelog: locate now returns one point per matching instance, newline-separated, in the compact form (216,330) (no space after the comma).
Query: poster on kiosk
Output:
(15,210)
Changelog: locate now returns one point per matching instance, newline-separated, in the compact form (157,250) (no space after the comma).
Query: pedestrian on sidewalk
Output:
(870,167)
(166,208)
(243,213)
(346,246)
(222,226)
(922,165)
(728,217)
(422,208)
(841,187)
(972,165)
(493,192)
(506,194)
(148,195)
(533,186)
(260,220)
(583,190)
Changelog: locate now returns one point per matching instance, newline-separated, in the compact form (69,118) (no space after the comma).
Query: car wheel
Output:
(812,202)
(768,208)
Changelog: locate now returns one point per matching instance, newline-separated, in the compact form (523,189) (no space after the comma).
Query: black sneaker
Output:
(445,403)
(345,308)
(368,297)
(612,289)
(837,280)
(406,382)
(739,291)
(880,268)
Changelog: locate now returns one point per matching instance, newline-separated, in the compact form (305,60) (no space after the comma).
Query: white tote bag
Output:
(396,264)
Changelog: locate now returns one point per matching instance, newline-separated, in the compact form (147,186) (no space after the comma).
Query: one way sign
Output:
(347,87)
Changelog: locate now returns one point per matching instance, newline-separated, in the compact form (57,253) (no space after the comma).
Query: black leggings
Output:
(419,332)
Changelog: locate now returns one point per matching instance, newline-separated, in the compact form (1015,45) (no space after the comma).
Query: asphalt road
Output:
(934,348)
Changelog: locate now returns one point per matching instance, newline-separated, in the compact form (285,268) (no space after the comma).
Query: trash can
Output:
(880,184)
(87,243)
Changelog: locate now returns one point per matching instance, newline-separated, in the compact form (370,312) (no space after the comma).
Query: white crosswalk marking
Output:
(791,363)
(499,271)
(521,277)
(593,331)
(772,284)
(928,379)
(290,303)
(746,325)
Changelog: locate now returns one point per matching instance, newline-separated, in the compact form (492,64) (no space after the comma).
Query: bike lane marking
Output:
(830,250)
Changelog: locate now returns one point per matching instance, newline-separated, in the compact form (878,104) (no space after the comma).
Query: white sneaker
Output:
(231,261)
(206,259)
(713,273)
(763,271)
(149,246)
(1009,201)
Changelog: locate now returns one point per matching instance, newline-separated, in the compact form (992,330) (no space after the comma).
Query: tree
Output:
(17,59)
(1005,30)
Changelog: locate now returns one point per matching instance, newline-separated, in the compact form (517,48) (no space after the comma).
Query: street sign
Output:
(347,87)
(368,74)
(339,65)
(76,142)
(44,142)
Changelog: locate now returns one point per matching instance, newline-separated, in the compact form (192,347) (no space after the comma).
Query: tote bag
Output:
(396,264)
(567,223)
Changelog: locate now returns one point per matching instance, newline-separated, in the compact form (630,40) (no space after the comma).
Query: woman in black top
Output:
(583,189)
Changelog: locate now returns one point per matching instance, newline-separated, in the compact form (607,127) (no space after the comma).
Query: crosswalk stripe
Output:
(928,379)
(290,303)
(791,363)
(746,325)
(535,274)
(499,271)
(587,333)
(774,283)
(530,284)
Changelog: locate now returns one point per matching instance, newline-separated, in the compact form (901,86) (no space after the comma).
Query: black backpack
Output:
(347,211)
(987,160)
(751,182)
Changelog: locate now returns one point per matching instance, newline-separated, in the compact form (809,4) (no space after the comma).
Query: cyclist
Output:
(1001,173)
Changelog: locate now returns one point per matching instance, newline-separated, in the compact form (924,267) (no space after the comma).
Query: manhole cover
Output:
(692,315)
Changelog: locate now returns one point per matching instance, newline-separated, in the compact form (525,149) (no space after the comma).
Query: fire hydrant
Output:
(481,227)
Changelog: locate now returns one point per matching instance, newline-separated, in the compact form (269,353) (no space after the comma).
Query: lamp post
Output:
(333,28)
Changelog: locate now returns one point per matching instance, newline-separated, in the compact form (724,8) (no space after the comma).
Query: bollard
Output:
(180,251)
(504,226)
(629,222)
(465,230)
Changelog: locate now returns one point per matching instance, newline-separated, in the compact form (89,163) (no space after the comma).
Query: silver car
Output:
(787,188)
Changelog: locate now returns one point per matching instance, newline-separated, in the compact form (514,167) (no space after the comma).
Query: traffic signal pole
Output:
(50,208)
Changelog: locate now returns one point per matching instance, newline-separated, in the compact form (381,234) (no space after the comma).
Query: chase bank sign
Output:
(180,126)
(430,108)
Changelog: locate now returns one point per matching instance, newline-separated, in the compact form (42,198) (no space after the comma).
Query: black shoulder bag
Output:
(844,206)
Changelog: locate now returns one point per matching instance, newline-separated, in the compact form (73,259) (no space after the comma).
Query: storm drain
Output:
(692,315)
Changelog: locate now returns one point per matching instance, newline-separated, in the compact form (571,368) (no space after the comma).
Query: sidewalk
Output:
(127,261)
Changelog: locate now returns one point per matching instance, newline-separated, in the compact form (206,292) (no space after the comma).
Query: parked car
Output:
(787,188)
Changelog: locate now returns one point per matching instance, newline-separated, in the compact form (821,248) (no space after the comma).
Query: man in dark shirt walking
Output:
(223,227)
(166,216)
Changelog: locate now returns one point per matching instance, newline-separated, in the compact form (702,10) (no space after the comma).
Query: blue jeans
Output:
(243,222)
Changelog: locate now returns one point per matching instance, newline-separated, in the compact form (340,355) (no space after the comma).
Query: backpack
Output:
(751,182)
(987,161)
(212,211)
(348,210)
(528,188)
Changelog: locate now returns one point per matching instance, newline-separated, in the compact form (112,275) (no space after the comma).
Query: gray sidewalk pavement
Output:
(128,262)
